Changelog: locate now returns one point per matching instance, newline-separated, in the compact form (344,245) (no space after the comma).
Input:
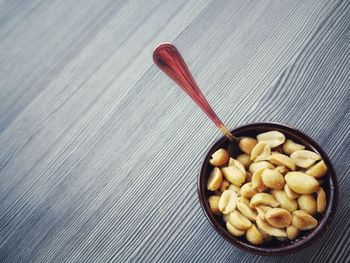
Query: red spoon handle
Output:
(169,60)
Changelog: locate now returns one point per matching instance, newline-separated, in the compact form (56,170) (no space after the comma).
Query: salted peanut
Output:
(254,236)
(257,182)
(233,175)
(318,170)
(272,179)
(224,185)
(303,220)
(248,191)
(227,202)
(305,158)
(272,138)
(256,166)
(263,199)
(244,208)
(289,147)
(321,200)
(262,210)
(292,232)
(260,152)
(237,164)
(214,204)
(220,157)
(214,180)
(246,144)
(307,203)
(278,217)
(268,229)
(285,202)
(301,183)
(243,200)
(282,169)
(234,230)
(235,188)
(244,159)
(282,160)
(290,193)
(248,177)
(226,217)
(240,221)
(265,236)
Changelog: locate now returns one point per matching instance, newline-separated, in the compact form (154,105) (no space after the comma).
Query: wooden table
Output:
(100,150)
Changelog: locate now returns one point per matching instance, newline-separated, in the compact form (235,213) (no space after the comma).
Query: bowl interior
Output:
(274,247)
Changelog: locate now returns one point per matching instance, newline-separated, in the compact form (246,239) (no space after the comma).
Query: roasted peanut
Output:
(219,158)
(235,188)
(247,190)
(304,158)
(233,175)
(289,147)
(278,217)
(292,232)
(244,159)
(237,164)
(263,199)
(272,179)
(290,193)
(213,204)
(284,201)
(234,230)
(260,152)
(256,166)
(272,138)
(268,229)
(318,170)
(214,180)
(254,236)
(240,221)
(257,182)
(282,160)
(246,144)
(227,202)
(224,185)
(262,209)
(243,207)
(321,200)
(303,220)
(282,169)
(307,203)
(301,183)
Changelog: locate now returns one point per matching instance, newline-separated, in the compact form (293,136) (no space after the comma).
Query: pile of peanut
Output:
(271,190)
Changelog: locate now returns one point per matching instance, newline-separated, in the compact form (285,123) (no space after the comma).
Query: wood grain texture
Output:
(100,150)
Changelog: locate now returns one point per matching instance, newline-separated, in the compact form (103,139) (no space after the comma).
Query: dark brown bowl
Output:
(274,247)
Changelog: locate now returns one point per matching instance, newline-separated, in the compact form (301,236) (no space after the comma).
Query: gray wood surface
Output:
(100,150)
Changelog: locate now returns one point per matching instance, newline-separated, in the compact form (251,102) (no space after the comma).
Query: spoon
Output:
(170,61)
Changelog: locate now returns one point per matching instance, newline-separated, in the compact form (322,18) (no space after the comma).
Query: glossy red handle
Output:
(170,61)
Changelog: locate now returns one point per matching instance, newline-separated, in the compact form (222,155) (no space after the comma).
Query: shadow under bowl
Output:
(273,247)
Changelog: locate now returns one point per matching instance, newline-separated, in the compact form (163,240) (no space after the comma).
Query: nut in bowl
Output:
(271,194)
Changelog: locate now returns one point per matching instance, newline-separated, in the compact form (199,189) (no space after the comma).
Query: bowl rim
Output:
(300,244)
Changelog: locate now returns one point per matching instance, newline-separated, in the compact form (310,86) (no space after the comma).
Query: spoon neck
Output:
(227,133)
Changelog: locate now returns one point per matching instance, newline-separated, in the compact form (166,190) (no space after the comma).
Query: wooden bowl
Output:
(274,247)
